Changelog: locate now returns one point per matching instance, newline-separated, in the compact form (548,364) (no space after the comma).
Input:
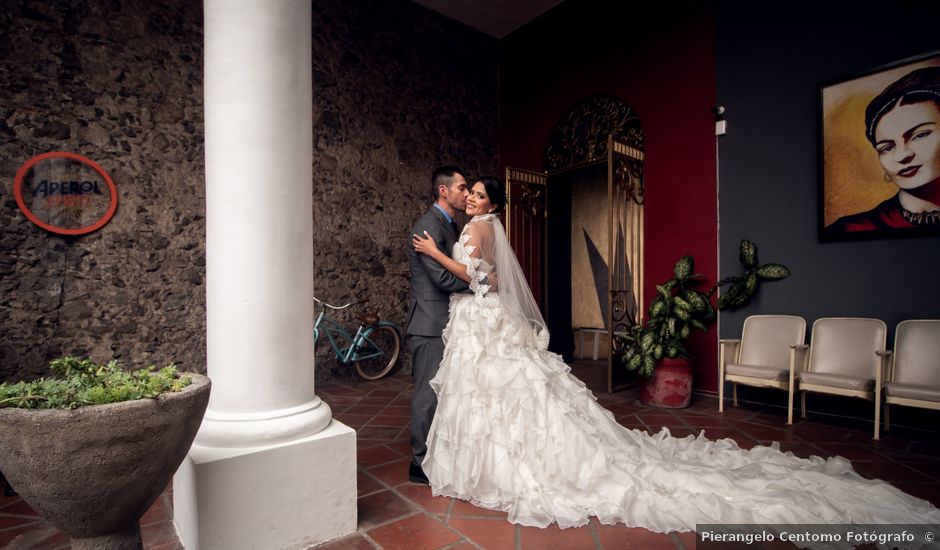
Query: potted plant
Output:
(93,447)
(656,348)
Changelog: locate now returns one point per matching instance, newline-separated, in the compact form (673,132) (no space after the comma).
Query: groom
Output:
(431,286)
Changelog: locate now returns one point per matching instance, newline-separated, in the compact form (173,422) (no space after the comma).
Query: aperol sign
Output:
(65,193)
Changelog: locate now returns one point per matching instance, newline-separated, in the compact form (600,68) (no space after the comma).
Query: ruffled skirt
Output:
(515,432)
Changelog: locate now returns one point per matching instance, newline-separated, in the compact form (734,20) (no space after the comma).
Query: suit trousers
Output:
(426,355)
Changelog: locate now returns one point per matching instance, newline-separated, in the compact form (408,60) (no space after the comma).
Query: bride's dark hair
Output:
(495,190)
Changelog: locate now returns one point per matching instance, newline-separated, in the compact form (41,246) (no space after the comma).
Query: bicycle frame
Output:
(356,343)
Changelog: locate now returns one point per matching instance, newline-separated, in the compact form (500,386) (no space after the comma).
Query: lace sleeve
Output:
(474,243)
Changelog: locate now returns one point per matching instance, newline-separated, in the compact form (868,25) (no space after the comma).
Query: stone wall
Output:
(120,83)
(398,90)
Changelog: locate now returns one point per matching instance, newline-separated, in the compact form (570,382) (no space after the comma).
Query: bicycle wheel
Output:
(378,352)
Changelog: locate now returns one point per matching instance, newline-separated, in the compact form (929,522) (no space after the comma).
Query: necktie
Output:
(454,225)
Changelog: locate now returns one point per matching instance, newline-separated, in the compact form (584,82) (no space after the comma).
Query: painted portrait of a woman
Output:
(902,131)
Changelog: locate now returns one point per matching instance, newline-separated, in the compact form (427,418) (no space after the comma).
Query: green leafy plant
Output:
(680,307)
(79,382)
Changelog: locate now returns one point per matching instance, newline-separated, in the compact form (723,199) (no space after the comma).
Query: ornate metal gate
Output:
(526,218)
(625,249)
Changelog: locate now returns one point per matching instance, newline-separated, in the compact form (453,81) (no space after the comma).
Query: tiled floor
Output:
(396,514)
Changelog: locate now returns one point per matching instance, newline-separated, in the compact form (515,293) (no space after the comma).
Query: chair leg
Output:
(734,392)
(887,417)
(721,396)
(877,415)
(790,405)
(803,404)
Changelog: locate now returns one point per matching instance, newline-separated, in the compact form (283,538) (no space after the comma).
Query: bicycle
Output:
(373,350)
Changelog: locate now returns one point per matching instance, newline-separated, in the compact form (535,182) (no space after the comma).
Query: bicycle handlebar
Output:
(337,308)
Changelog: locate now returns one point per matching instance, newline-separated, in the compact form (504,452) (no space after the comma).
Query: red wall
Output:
(662,65)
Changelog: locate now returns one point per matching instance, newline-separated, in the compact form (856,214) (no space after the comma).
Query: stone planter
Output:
(93,471)
(670,386)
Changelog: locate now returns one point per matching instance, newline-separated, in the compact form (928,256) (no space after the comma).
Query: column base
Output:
(287,496)
(235,430)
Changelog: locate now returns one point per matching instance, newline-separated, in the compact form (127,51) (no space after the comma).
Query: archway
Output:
(577,227)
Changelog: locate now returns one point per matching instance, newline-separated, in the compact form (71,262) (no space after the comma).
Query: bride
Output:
(514,431)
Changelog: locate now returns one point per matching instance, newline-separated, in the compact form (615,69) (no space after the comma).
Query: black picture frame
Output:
(858,196)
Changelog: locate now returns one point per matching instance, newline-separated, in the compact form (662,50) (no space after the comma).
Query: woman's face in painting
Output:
(907,139)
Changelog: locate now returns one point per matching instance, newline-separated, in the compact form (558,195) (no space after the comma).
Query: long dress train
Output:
(515,431)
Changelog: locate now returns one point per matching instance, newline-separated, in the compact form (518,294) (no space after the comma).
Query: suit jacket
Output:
(431,283)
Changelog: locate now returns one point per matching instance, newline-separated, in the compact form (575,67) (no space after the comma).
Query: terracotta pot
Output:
(93,471)
(670,386)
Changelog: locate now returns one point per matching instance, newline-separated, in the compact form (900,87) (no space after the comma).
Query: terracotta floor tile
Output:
(767,433)
(926,467)
(410,517)
(359,408)
(354,421)
(919,489)
(374,456)
(421,495)
(615,537)
(6,521)
(705,421)
(462,508)
(491,534)
(658,419)
(850,451)
(374,405)
(379,432)
(401,445)
(390,420)
(889,471)
(631,422)
(156,513)
(18,507)
(353,542)
(800,449)
(366,484)
(59,538)
(158,533)
(393,473)
(418,532)
(724,433)
(385,394)
(8,537)
(687,538)
(683,431)
(378,508)
(554,538)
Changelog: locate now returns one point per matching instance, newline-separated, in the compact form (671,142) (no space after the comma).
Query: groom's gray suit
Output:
(431,287)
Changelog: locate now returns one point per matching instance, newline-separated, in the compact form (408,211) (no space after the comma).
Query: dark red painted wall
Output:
(663,65)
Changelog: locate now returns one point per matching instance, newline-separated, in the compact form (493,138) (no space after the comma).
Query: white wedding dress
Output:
(514,431)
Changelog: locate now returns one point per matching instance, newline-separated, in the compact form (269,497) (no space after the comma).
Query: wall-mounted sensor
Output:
(721,125)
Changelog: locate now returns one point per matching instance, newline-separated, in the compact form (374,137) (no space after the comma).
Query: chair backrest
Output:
(847,346)
(766,339)
(917,352)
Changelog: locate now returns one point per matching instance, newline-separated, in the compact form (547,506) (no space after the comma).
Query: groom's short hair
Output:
(443,175)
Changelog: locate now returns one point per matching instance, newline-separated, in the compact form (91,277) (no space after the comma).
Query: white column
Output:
(269,465)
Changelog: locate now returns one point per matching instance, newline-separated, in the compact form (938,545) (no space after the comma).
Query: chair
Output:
(761,357)
(845,359)
(913,378)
